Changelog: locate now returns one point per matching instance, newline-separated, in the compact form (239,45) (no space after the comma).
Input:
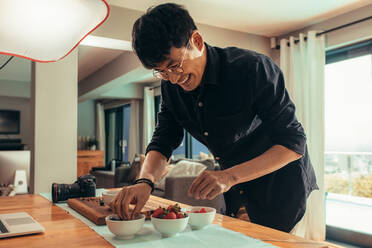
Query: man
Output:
(234,102)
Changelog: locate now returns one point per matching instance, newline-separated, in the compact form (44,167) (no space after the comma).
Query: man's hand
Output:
(211,184)
(137,194)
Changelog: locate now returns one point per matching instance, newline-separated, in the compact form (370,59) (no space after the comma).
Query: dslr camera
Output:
(85,186)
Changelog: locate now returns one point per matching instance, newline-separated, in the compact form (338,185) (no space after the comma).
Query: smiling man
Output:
(233,101)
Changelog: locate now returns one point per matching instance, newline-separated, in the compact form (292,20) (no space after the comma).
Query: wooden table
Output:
(64,230)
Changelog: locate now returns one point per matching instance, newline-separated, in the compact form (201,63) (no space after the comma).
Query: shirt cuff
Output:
(163,151)
(294,143)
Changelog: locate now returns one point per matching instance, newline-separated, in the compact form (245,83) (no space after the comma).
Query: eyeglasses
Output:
(176,69)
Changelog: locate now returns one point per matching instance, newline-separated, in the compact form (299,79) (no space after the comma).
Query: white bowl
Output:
(124,229)
(200,220)
(109,195)
(169,227)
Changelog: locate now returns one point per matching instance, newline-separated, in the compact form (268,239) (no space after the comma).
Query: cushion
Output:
(207,162)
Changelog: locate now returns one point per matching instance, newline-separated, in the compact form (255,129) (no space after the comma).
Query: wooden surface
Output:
(63,230)
(87,159)
(90,208)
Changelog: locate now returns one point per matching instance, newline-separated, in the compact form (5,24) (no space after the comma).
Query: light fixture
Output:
(47,30)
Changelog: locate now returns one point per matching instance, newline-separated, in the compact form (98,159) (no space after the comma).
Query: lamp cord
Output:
(1,67)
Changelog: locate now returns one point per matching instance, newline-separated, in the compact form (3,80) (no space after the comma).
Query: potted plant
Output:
(92,144)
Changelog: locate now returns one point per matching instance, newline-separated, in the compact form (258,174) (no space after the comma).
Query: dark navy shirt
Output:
(240,110)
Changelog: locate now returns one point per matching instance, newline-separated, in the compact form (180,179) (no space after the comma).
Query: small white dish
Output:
(109,195)
(169,227)
(124,229)
(200,220)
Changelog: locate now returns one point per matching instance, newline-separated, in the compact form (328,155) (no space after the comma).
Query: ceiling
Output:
(93,58)
(265,17)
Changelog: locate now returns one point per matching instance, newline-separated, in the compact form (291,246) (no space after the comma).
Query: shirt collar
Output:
(212,68)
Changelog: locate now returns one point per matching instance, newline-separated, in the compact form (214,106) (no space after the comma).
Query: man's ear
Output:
(197,40)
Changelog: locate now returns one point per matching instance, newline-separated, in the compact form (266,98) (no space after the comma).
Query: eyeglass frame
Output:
(163,74)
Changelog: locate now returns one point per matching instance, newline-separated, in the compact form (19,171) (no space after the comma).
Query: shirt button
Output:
(232,214)
(200,104)
(205,133)
(241,192)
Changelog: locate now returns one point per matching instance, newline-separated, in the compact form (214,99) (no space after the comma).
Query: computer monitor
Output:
(10,161)
(10,121)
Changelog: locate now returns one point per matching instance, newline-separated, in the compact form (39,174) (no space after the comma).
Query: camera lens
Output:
(62,192)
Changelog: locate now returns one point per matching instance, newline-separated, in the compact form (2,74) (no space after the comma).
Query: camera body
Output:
(84,186)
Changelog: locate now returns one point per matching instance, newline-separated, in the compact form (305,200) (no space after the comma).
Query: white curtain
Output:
(100,127)
(148,116)
(134,128)
(303,67)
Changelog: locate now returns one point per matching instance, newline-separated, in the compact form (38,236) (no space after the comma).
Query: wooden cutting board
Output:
(90,208)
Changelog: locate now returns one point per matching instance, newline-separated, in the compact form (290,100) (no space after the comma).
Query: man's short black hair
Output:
(158,30)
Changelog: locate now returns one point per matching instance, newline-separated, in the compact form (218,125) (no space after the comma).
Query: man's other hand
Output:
(211,184)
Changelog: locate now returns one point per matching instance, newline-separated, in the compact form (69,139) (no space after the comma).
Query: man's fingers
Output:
(215,192)
(125,205)
(206,190)
(137,209)
(202,186)
(195,184)
(136,194)
(119,203)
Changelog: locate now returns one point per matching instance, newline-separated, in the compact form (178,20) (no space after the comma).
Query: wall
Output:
(15,88)
(223,38)
(23,105)
(86,118)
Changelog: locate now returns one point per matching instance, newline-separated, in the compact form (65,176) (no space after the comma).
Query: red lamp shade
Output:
(47,30)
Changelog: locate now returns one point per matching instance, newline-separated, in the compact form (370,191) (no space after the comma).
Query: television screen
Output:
(9,122)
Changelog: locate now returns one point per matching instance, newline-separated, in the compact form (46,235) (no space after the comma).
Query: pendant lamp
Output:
(47,30)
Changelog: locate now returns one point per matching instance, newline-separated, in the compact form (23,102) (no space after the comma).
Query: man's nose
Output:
(174,78)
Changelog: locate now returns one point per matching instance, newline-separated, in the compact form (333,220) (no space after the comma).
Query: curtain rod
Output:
(332,29)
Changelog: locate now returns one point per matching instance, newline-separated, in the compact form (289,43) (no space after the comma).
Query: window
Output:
(190,147)
(198,147)
(348,139)
(117,133)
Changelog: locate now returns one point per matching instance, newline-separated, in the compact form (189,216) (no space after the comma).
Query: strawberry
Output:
(180,216)
(202,210)
(174,208)
(157,212)
(170,208)
(170,215)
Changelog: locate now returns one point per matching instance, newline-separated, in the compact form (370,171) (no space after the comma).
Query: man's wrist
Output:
(147,176)
(145,181)
(146,185)
(233,176)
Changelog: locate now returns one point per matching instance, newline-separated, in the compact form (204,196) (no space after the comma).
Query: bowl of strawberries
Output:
(169,221)
(200,217)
